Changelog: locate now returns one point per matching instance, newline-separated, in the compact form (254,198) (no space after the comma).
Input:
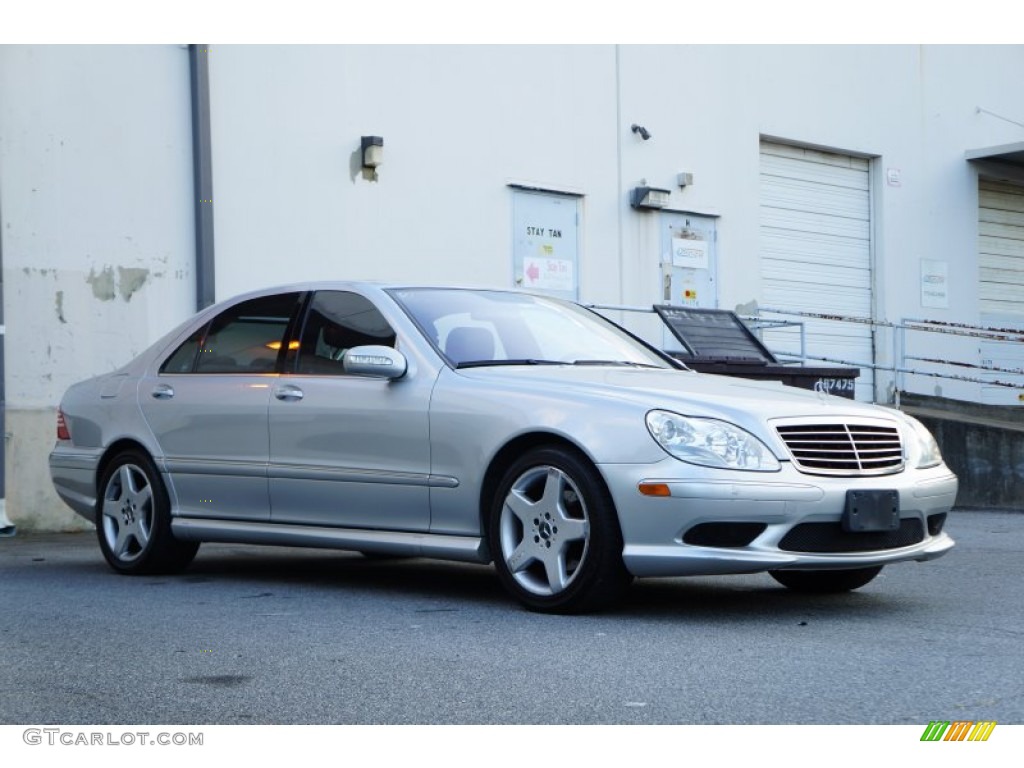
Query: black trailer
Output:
(718,341)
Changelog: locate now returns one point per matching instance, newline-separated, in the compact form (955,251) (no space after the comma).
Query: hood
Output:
(686,392)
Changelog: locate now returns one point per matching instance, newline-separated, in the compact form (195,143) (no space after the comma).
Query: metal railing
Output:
(900,365)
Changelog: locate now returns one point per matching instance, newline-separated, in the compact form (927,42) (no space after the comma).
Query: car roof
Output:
(365,285)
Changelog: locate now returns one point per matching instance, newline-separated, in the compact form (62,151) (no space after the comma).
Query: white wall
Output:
(96,207)
(459,124)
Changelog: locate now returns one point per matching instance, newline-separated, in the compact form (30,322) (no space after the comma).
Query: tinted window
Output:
(184,357)
(247,337)
(338,321)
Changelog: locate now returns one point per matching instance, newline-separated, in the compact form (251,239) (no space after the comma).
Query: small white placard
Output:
(692,254)
(934,284)
(893,177)
(547,274)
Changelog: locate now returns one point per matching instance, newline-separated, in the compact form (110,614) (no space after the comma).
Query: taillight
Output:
(62,426)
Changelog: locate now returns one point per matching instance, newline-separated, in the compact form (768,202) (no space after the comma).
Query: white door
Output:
(688,265)
(1001,283)
(545,249)
(815,242)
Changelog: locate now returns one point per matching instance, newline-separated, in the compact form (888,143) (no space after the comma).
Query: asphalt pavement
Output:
(279,635)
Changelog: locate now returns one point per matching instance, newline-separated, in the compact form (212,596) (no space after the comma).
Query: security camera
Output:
(644,133)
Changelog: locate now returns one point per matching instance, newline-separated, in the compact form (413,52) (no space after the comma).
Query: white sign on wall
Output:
(545,249)
(548,274)
(934,284)
(692,254)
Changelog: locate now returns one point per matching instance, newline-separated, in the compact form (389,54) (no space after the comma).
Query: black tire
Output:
(557,549)
(133,519)
(825,582)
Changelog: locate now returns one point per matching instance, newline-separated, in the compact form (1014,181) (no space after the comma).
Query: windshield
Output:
(475,328)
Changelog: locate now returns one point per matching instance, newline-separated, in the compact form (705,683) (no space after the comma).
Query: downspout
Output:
(619,206)
(7,528)
(202,174)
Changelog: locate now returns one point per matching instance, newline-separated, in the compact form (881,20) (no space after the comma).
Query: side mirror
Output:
(376,361)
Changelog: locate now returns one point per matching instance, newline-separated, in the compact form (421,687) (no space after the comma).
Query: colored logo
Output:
(958,730)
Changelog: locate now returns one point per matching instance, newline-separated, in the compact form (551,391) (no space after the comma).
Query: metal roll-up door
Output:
(1001,249)
(1001,283)
(815,236)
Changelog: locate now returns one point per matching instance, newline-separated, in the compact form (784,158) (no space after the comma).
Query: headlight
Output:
(925,451)
(710,443)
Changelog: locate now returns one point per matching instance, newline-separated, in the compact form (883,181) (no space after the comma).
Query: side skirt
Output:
(466,549)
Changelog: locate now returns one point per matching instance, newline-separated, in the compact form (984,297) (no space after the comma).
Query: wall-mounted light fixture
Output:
(373,151)
(642,132)
(650,198)
(684,180)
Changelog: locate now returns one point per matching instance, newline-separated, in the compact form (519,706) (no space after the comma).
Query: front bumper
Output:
(654,528)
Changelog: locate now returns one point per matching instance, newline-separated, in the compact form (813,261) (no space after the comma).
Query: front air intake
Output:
(724,534)
(831,538)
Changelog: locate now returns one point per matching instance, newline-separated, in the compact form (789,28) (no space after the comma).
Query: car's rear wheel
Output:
(555,536)
(824,582)
(133,520)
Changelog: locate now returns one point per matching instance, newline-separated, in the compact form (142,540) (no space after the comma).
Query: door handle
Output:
(288,392)
(163,391)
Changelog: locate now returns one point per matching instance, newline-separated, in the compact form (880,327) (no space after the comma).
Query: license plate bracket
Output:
(871,511)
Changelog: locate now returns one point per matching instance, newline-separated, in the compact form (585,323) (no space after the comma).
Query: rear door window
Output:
(245,338)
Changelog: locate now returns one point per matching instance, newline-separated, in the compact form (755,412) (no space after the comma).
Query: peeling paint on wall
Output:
(102,283)
(60,310)
(750,308)
(130,280)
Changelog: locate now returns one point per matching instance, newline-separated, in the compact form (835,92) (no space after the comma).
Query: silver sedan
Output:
(484,426)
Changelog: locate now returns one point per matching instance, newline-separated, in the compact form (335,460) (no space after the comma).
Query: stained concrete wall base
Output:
(32,504)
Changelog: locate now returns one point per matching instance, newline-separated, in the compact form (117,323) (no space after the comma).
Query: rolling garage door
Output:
(815,239)
(1001,282)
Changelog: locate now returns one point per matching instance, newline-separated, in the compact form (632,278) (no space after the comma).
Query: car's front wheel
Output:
(133,520)
(555,536)
(824,582)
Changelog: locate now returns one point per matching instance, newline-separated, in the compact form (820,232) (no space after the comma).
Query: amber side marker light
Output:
(654,489)
(62,426)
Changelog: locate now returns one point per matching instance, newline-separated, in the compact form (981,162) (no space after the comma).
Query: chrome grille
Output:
(844,449)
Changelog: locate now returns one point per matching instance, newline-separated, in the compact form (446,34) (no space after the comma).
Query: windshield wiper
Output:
(629,363)
(517,361)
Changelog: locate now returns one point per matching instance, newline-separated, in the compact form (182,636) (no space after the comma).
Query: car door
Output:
(348,451)
(207,406)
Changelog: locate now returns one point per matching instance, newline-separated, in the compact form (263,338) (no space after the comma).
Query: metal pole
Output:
(895,364)
(202,174)
(7,528)
(901,378)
